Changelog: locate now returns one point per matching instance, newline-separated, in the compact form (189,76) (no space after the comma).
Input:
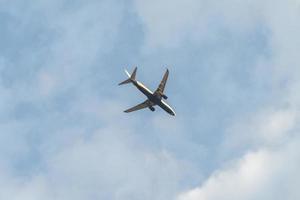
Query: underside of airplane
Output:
(155,98)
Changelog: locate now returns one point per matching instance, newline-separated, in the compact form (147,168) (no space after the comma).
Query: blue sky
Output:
(234,82)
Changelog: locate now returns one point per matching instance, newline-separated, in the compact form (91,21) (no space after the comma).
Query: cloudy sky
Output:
(234,84)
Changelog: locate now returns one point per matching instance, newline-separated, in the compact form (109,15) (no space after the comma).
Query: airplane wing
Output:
(161,87)
(143,105)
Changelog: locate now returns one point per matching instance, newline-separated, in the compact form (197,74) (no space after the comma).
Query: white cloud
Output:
(171,23)
(270,172)
(112,162)
(167,22)
(110,166)
(266,127)
(265,174)
(279,123)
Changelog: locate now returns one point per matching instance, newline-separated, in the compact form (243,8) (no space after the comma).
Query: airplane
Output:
(153,98)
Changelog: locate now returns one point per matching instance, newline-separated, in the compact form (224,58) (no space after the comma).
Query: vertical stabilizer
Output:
(133,74)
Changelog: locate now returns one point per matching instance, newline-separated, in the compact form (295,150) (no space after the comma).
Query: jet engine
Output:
(164,96)
(152,108)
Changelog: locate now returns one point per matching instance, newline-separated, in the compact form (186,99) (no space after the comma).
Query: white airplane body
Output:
(154,98)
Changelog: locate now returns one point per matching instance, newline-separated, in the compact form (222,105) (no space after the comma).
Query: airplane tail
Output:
(130,77)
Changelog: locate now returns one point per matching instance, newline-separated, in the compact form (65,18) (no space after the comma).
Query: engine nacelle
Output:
(164,96)
(152,108)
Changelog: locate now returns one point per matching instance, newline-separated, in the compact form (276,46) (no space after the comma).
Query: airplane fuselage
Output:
(155,99)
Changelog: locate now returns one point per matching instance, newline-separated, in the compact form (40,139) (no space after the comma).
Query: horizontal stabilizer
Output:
(127,73)
(125,82)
